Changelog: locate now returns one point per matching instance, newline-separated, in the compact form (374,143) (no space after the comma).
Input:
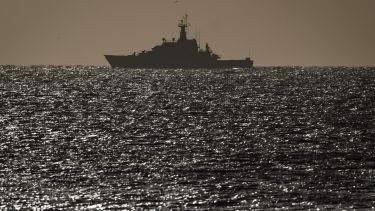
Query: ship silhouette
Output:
(183,53)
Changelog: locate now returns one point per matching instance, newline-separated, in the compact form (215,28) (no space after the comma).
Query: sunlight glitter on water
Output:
(266,138)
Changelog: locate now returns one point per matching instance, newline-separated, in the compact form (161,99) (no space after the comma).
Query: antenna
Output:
(199,39)
(183,25)
(184,22)
(196,34)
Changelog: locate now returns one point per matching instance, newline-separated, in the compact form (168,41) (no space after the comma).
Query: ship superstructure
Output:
(180,53)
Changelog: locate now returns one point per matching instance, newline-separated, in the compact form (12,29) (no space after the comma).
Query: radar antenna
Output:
(184,22)
(183,25)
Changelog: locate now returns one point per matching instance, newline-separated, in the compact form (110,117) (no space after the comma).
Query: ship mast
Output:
(183,25)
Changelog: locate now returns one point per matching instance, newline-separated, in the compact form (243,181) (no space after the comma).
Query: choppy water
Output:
(267,138)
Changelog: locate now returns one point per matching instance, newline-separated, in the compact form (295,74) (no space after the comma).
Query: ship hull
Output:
(135,62)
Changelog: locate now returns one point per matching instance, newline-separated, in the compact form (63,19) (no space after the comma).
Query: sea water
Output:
(83,137)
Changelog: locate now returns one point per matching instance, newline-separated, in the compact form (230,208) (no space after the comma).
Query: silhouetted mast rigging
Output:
(183,25)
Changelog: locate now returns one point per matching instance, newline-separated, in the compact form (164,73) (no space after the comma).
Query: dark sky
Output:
(277,32)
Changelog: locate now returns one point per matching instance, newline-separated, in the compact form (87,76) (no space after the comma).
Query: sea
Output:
(265,138)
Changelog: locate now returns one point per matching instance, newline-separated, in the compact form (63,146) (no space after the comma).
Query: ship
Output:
(180,53)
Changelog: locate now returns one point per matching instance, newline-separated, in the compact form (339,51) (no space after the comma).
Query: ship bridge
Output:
(183,46)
